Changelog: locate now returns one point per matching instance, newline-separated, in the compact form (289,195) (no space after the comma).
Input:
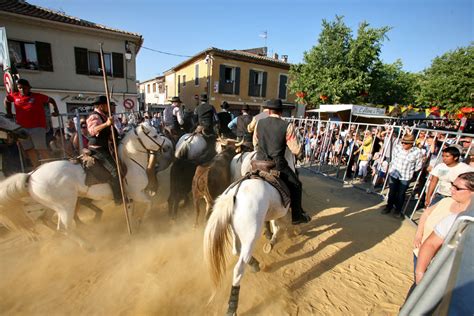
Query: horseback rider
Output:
(273,135)
(241,123)
(225,118)
(98,126)
(207,122)
(173,119)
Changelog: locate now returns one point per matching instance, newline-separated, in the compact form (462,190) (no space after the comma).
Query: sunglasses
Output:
(405,143)
(83,125)
(455,187)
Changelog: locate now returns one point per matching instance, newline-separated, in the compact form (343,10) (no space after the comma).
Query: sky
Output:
(420,29)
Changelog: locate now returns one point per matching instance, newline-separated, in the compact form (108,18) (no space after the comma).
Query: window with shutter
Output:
(256,83)
(221,78)
(23,55)
(94,64)
(179,84)
(282,87)
(184,80)
(237,81)
(227,79)
(264,85)
(82,64)
(45,60)
(117,65)
(252,75)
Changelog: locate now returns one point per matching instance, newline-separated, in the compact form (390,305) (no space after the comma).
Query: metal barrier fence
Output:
(360,154)
(60,144)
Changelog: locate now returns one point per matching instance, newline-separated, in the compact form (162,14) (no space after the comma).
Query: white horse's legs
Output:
(235,242)
(66,218)
(273,228)
(247,237)
(139,213)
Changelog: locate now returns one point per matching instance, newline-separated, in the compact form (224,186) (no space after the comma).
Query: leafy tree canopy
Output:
(392,85)
(449,82)
(339,69)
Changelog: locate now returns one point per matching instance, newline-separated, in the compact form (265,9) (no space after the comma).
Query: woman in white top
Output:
(462,190)
(444,174)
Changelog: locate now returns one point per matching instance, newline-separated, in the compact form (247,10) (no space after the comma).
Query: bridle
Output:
(160,146)
(147,151)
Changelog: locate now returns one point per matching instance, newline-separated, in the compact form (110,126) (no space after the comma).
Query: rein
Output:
(148,152)
(160,147)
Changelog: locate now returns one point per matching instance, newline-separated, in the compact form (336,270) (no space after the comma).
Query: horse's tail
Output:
(12,214)
(216,236)
(182,150)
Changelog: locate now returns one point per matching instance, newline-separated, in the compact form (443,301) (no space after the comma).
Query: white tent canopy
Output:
(355,109)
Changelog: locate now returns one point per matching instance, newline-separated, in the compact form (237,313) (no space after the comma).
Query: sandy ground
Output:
(349,260)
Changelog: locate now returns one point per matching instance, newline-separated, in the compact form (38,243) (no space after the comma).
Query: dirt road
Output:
(349,260)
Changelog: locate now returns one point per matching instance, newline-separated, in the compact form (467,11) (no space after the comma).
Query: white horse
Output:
(193,146)
(59,184)
(190,146)
(240,213)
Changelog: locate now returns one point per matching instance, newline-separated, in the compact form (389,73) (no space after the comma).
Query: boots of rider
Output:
(298,216)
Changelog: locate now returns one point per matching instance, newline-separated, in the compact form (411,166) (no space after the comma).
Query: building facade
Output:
(153,93)
(234,76)
(60,56)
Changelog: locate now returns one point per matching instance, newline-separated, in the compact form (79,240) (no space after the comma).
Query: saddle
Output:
(263,165)
(95,172)
(262,169)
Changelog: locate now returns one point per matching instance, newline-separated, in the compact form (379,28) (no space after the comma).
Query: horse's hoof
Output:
(267,248)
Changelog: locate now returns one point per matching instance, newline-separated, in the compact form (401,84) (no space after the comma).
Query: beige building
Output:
(153,93)
(235,76)
(59,55)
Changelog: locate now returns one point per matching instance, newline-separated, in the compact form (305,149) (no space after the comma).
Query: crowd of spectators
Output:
(366,153)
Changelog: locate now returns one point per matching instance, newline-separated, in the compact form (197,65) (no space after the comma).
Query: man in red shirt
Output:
(30,114)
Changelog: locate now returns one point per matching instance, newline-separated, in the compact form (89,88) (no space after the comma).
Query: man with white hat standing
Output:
(407,159)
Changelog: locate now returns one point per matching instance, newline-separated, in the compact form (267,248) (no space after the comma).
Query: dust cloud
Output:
(348,260)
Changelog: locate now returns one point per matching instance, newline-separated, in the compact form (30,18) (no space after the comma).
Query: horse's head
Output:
(149,138)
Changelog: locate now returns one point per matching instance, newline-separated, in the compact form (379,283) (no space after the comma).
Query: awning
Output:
(374,116)
(327,110)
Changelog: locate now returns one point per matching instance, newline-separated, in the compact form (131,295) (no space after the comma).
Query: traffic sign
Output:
(128,104)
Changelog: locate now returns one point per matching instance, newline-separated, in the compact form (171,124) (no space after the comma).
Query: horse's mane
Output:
(182,150)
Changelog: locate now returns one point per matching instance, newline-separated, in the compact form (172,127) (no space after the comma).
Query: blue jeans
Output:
(396,195)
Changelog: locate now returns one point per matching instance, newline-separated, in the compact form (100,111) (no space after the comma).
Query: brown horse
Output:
(211,179)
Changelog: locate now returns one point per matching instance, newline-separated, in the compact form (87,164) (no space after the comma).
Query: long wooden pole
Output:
(114,140)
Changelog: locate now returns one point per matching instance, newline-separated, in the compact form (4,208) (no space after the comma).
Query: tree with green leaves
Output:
(339,68)
(449,81)
(391,84)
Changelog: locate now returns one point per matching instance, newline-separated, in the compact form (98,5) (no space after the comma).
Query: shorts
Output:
(37,139)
